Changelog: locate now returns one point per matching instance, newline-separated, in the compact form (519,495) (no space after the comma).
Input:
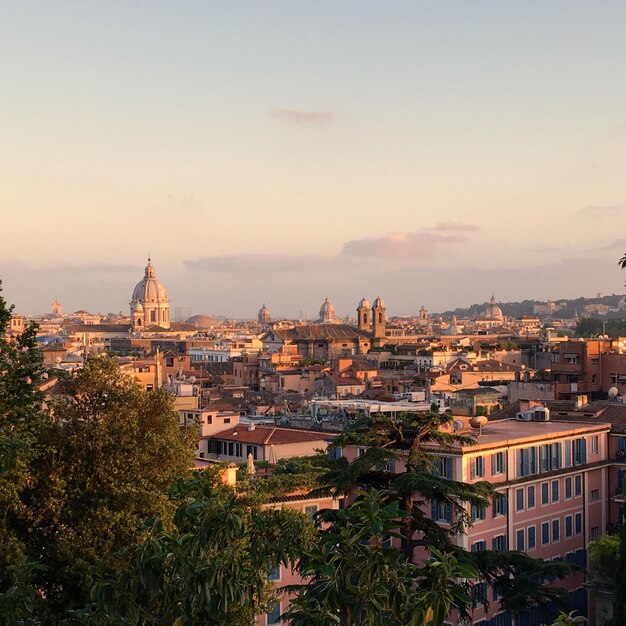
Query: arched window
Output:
(138,321)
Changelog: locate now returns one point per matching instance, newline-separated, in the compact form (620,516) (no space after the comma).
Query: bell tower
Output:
(379,318)
(364,315)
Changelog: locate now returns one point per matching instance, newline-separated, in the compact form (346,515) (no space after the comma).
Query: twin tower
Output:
(372,319)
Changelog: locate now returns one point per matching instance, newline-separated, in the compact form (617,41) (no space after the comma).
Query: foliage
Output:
(22,418)
(603,556)
(569,619)
(210,569)
(111,453)
(592,327)
(415,440)
(354,575)
(619,597)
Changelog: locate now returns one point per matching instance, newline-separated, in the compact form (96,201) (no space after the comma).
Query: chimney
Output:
(229,475)
(251,426)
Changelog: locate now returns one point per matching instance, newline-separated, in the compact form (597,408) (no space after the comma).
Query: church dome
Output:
(264,314)
(379,303)
(149,289)
(493,311)
(364,304)
(202,321)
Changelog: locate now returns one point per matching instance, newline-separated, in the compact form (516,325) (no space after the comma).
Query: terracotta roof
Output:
(266,435)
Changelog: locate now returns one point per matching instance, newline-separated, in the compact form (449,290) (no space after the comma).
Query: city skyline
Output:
(429,154)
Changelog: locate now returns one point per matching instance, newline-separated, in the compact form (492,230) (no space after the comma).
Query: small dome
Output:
(138,307)
(264,315)
(202,321)
(493,311)
(364,304)
(379,303)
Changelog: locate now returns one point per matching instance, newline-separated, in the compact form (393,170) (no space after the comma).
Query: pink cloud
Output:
(399,245)
(303,118)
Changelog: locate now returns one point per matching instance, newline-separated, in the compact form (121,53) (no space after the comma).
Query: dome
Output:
(264,315)
(364,304)
(138,307)
(493,311)
(327,312)
(149,289)
(202,321)
(379,303)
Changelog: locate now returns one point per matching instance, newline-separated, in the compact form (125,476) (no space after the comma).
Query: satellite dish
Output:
(613,393)
(457,425)
(192,379)
(478,421)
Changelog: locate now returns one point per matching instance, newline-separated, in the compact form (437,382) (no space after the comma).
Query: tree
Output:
(619,599)
(22,419)
(107,460)
(354,575)
(415,439)
(211,568)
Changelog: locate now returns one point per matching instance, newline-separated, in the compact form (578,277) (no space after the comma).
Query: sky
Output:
(281,152)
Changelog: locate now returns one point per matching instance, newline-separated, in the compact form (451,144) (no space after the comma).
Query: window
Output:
(479,594)
(532,539)
(362,452)
(578,523)
(579,451)
(519,499)
(274,573)
(569,526)
(571,359)
(478,546)
(595,495)
(443,467)
(227,420)
(497,463)
(556,529)
(519,541)
(478,513)
(477,467)
(273,617)
(530,499)
(334,452)
(555,491)
(550,457)
(595,532)
(500,505)
(594,444)
(545,533)
(568,453)
(568,487)
(442,511)
(311,509)
(526,461)
(545,493)
(499,543)
(578,485)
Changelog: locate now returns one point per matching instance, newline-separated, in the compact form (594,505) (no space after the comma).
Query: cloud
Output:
(303,118)
(261,263)
(599,210)
(400,245)
(450,226)
(616,243)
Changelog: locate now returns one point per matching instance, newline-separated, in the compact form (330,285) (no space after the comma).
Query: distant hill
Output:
(565,308)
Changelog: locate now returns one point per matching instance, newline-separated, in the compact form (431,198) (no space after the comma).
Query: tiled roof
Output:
(266,435)
(318,332)
(97,328)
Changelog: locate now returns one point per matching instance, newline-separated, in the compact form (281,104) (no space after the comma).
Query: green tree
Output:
(354,575)
(415,440)
(22,419)
(111,453)
(619,598)
(211,568)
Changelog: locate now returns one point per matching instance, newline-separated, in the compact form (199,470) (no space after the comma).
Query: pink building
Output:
(554,479)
